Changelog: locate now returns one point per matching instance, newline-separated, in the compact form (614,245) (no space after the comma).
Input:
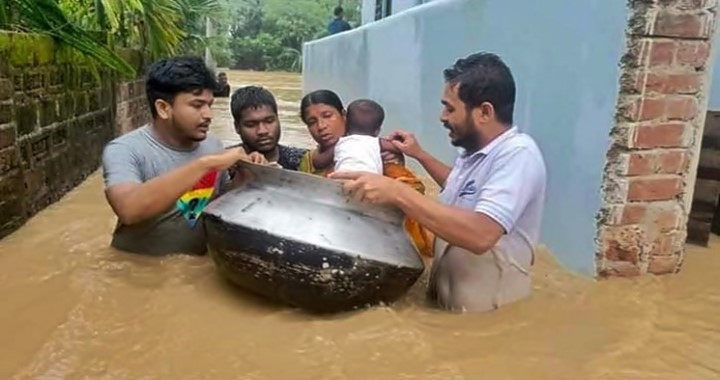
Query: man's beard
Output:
(469,139)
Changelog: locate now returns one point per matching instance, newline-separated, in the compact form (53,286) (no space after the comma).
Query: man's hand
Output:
(225,159)
(257,158)
(406,142)
(369,187)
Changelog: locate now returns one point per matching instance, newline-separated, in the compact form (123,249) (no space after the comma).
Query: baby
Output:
(360,148)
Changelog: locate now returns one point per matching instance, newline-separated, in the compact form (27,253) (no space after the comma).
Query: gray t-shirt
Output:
(139,156)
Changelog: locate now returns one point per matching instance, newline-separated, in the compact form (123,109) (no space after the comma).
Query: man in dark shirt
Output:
(255,115)
(223,90)
(338,24)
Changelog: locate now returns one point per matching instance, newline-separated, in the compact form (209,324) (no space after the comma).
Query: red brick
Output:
(649,108)
(664,264)
(641,163)
(662,53)
(681,108)
(693,53)
(671,83)
(667,220)
(623,243)
(671,24)
(658,136)
(673,162)
(633,213)
(620,269)
(653,189)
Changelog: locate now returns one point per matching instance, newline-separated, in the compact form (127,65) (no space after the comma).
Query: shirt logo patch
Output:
(468,189)
(192,203)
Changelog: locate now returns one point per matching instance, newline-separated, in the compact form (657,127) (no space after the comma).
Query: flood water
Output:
(71,308)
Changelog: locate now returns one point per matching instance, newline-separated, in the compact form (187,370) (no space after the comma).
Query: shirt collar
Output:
(493,144)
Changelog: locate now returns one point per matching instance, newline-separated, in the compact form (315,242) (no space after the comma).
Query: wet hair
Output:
(222,74)
(338,11)
(169,77)
(364,117)
(251,97)
(326,97)
(484,77)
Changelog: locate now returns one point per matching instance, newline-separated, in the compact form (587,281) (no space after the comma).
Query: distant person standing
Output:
(223,90)
(338,25)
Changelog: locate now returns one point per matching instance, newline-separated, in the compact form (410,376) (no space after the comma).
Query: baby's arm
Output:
(387,146)
(323,159)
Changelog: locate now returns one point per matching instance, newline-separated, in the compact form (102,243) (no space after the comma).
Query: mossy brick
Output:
(5,40)
(22,50)
(67,106)
(59,135)
(33,81)
(26,118)
(48,112)
(44,50)
(18,82)
(6,89)
(7,135)
(6,113)
(8,159)
(81,103)
(40,146)
(94,101)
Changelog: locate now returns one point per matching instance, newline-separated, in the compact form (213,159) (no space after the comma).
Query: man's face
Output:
(222,79)
(456,118)
(259,129)
(190,114)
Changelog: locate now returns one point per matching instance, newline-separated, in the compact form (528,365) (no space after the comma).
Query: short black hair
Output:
(364,116)
(338,11)
(168,77)
(484,77)
(252,97)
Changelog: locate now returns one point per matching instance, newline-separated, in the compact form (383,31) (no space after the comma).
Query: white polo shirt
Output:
(506,181)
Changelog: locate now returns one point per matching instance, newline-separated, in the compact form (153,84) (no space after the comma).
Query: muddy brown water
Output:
(71,308)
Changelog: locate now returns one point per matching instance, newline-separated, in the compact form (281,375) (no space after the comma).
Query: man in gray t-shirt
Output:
(160,177)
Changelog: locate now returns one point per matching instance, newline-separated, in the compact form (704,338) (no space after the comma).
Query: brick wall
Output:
(55,118)
(133,110)
(663,88)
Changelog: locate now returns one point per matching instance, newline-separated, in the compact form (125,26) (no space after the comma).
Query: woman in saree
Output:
(324,114)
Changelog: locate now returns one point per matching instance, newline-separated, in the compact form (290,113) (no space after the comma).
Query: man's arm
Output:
(408,144)
(134,201)
(516,180)
(436,168)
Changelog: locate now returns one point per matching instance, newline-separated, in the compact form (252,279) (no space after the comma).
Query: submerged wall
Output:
(564,55)
(55,118)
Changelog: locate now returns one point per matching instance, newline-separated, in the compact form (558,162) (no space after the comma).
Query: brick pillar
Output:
(660,113)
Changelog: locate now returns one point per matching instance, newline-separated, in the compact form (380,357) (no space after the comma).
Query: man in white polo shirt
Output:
(487,221)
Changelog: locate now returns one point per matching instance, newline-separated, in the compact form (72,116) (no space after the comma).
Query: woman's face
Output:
(325,123)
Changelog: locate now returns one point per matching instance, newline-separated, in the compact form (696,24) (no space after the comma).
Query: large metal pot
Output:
(297,239)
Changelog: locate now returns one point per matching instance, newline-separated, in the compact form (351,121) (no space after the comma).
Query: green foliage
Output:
(47,17)
(269,34)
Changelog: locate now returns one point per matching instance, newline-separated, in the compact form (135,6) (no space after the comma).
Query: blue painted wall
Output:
(714,95)
(564,55)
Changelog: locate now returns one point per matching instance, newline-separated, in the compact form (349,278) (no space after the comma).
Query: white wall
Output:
(564,55)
